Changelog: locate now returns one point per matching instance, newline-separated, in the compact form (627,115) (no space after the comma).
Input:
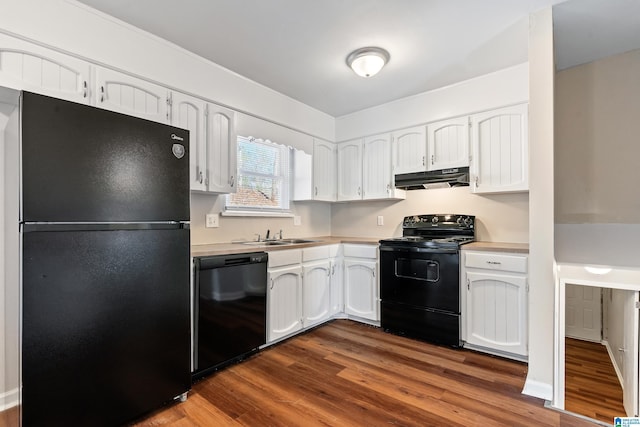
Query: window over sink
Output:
(263,179)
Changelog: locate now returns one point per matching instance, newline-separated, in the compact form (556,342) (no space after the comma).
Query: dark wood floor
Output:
(349,374)
(591,384)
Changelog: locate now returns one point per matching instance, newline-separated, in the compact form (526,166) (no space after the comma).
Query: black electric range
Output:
(420,277)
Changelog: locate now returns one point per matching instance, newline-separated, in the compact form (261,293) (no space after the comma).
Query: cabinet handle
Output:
(494,262)
(433,159)
(477,184)
(333,269)
(359,191)
(424,161)
(84,89)
(201,178)
(231,181)
(271,284)
(468,285)
(101,93)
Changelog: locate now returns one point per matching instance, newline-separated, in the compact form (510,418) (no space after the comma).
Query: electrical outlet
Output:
(380,220)
(212,221)
(297,220)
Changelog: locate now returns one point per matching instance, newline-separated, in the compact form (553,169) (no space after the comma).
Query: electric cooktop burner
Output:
(435,231)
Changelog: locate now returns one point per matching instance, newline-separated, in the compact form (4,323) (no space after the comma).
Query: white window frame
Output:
(285,196)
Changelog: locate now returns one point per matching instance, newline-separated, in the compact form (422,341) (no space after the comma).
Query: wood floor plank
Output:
(591,384)
(348,374)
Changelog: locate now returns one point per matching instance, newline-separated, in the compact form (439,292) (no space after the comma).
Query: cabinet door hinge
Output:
(468,285)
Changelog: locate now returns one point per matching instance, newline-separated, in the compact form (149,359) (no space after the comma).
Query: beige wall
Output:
(315,220)
(500,217)
(597,141)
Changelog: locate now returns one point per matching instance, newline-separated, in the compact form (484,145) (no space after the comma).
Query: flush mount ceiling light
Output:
(367,61)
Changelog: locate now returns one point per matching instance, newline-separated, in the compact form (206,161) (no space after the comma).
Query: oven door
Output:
(425,278)
(420,293)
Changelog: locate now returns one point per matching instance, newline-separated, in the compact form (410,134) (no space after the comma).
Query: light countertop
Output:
(497,247)
(238,248)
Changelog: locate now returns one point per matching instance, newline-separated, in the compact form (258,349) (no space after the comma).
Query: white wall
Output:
(499,218)
(539,381)
(504,87)
(315,222)
(614,300)
(597,147)
(76,29)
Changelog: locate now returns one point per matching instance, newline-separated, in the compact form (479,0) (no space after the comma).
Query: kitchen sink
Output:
(280,242)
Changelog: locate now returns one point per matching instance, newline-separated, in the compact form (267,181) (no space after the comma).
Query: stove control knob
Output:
(434,220)
(460,221)
(467,221)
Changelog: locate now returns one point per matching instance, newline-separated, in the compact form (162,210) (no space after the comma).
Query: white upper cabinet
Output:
(409,150)
(499,140)
(377,175)
(220,174)
(448,144)
(26,66)
(324,171)
(350,170)
(129,95)
(188,112)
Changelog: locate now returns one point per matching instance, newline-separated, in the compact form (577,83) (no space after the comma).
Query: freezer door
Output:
(81,163)
(106,328)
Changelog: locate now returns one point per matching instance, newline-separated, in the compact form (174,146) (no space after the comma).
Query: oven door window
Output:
(418,269)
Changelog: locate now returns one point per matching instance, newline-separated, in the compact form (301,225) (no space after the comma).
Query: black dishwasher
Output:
(230,307)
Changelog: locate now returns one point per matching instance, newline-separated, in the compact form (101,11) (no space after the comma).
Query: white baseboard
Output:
(538,389)
(614,363)
(9,399)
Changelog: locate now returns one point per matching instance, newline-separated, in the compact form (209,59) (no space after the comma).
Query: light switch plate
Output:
(212,221)
(380,220)
(297,220)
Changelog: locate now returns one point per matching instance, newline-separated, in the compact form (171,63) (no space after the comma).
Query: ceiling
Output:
(299,47)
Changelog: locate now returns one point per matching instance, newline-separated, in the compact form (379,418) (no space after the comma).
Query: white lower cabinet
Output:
(337,281)
(316,292)
(495,309)
(284,294)
(361,289)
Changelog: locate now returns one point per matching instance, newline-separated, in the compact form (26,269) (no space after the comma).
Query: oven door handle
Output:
(414,249)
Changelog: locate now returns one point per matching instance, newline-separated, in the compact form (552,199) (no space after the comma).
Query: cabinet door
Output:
(324,171)
(316,292)
(377,182)
(448,144)
(361,289)
(129,95)
(284,302)
(26,66)
(350,170)
(496,311)
(221,150)
(500,150)
(337,288)
(409,150)
(187,112)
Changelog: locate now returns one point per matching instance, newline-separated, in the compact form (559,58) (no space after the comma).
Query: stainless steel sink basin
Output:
(293,241)
(280,242)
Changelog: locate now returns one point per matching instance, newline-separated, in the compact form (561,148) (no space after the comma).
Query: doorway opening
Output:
(618,295)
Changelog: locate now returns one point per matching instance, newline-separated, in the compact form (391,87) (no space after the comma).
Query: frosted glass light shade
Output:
(367,61)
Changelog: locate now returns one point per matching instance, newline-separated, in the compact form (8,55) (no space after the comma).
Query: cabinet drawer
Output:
(496,261)
(361,251)
(282,258)
(315,253)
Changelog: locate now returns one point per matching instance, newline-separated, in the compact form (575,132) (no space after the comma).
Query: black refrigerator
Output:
(105,264)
